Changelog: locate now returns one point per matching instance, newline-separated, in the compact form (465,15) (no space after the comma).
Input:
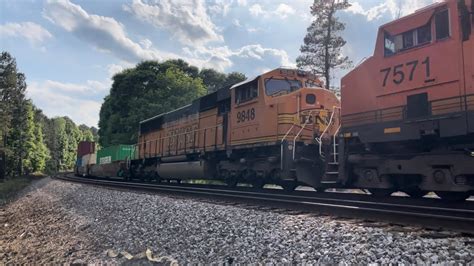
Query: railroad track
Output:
(429,213)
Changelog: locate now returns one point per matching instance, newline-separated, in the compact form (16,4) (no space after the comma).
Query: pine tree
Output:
(16,146)
(8,86)
(28,138)
(33,142)
(41,153)
(321,51)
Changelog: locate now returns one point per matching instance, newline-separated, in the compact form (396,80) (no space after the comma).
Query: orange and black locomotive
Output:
(262,130)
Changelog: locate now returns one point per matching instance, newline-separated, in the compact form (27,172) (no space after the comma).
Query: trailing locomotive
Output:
(408,111)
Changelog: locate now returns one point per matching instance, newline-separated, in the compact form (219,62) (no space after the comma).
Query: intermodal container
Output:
(115,153)
(89,159)
(92,159)
(85,147)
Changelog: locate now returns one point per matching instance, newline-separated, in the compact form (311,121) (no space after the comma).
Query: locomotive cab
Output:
(278,104)
(292,116)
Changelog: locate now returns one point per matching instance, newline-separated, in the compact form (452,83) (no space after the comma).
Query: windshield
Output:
(312,84)
(277,86)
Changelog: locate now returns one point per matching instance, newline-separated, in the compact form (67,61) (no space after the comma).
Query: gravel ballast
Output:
(57,222)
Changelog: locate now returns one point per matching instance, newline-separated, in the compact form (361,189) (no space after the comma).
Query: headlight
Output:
(310,98)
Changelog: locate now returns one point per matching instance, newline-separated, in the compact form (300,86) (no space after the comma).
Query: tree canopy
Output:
(31,141)
(215,80)
(321,51)
(152,88)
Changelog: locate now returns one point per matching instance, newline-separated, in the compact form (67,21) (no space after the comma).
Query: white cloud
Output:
(253,30)
(256,51)
(146,43)
(256,10)
(68,99)
(219,7)
(187,21)
(89,88)
(242,2)
(282,11)
(104,33)
(223,57)
(236,23)
(393,8)
(113,69)
(33,32)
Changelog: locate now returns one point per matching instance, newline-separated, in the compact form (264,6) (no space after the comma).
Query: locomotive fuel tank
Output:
(187,170)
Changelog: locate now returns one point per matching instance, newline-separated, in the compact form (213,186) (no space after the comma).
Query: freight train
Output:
(405,121)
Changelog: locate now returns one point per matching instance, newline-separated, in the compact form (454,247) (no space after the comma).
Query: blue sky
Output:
(69,50)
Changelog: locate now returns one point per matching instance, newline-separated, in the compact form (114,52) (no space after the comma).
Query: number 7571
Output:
(398,74)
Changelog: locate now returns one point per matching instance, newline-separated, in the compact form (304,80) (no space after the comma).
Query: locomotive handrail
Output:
(319,139)
(334,143)
(299,132)
(288,132)
(281,145)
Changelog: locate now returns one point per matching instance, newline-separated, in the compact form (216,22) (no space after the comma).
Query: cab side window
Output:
(409,39)
(442,25)
(246,92)
(424,34)
(389,45)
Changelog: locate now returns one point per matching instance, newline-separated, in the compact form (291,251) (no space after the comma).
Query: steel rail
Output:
(429,213)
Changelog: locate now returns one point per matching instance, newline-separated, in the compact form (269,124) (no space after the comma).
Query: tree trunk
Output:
(327,67)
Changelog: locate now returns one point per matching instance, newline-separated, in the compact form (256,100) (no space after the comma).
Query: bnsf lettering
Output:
(246,115)
(402,72)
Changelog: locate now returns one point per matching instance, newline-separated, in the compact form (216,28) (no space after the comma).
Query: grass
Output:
(9,188)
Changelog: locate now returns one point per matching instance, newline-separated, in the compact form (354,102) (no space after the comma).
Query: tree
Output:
(10,94)
(214,80)
(87,133)
(14,114)
(149,89)
(234,78)
(32,142)
(40,154)
(321,51)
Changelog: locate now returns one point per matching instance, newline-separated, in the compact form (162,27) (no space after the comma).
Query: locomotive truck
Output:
(405,123)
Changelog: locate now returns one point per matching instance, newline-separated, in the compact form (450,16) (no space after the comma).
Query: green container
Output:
(115,153)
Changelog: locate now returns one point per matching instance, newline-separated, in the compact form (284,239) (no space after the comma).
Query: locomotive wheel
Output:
(258,183)
(157,178)
(231,181)
(289,185)
(415,193)
(453,196)
(381,192)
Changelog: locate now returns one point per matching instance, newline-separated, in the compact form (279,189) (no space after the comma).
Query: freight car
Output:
(263,130)
(408,110)
(107,162)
